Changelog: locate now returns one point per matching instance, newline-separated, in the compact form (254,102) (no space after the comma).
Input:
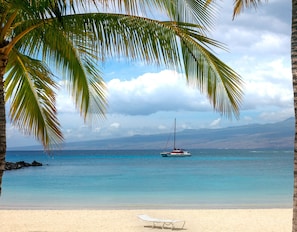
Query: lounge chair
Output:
(164,222)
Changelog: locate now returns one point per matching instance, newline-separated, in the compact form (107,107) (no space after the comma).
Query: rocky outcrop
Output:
(21,164)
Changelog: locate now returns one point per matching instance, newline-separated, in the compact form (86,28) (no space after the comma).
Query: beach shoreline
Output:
(126,220)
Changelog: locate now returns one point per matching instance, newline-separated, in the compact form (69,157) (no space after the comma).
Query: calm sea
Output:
(144,179)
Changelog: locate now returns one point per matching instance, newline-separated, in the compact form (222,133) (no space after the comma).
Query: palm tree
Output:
(239,5)
(39,38)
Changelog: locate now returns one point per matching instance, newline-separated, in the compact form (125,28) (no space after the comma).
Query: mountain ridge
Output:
(279,135)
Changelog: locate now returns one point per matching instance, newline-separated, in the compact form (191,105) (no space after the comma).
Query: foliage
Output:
(42,37)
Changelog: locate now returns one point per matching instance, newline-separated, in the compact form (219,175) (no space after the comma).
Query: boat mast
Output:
(174,133)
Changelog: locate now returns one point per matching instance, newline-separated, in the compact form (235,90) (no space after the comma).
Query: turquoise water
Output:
(144,179)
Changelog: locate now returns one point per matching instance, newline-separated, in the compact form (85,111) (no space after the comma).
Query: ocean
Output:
(131,179)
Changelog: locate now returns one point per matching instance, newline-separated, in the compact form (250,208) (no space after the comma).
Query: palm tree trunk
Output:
(294,76)
(3,62)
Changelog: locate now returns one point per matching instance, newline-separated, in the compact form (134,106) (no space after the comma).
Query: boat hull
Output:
(176,153)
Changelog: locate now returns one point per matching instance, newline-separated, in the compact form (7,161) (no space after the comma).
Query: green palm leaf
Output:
(29,85)
(214,78)
(195,11)
(65,34)
(155,42)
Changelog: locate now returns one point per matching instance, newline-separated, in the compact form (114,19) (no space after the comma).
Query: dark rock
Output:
(35,163)
(10,165)
(23,164)
(20,164)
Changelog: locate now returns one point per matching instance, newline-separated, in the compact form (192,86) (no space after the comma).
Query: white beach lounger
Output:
(164,222)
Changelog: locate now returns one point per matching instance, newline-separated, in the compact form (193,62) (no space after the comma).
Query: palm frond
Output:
(218,81)
(74,56)
(29,87)
(194,11)
(158,42)
(112,35)
(63,34)
(239,5)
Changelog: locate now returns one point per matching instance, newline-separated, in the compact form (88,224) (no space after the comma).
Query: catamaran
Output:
(176,152)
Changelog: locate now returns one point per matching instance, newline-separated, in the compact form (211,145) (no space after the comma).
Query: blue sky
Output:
(145,99)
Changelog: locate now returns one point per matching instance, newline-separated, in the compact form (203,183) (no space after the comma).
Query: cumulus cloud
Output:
(153,92)
(266,84)
(264,31)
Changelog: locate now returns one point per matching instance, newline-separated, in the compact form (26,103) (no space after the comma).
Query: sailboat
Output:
(176,152)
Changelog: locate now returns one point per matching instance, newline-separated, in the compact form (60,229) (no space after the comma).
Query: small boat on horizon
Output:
(176,152)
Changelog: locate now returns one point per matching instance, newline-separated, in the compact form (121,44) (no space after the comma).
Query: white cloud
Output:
(115,125)
(268,84)
(65,103)
(153,92)
(266,41)
(264,32)
(161,127)
(277,115)
(215,123)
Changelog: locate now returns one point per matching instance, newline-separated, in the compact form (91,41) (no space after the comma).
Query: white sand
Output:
(225,220)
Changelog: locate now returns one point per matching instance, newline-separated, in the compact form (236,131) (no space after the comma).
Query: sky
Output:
(145,99)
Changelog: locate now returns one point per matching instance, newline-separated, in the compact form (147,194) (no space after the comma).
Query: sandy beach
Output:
(223,220)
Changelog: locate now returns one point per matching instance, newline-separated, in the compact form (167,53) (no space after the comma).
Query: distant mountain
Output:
(278,135)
